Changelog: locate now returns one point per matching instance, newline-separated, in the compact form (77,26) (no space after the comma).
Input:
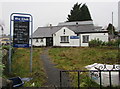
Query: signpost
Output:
(20,26)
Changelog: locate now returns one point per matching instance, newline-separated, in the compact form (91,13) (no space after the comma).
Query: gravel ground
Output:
(53,74)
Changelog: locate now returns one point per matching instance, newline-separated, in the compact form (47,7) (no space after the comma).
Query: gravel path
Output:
(53,73)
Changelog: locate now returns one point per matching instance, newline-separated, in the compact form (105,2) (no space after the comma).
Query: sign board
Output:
(21,32)
(74,37)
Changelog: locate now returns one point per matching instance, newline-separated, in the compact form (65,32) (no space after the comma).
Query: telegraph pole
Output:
(119,47)
(112,27)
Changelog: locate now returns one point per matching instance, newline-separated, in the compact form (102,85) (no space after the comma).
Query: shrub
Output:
(113,43)
(99,43)
(110,43)
(94,43)
(5,47)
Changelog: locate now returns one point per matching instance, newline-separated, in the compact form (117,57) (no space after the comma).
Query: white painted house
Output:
(69,34)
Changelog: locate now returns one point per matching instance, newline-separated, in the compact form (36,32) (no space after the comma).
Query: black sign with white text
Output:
(21,32)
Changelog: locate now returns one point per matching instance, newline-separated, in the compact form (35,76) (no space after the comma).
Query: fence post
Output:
(100,79)
(110,79)
(60,79)
(119,77)
(78,80)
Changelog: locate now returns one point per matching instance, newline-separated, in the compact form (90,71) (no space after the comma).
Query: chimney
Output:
(76,24)
(50,26)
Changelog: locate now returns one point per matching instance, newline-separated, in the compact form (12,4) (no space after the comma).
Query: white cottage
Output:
(69,34)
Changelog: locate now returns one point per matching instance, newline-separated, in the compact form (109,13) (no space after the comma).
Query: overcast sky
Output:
(45,12)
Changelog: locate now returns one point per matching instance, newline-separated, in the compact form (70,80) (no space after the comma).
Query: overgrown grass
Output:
(21,66)
(78,58)
(1,59)
(1,65)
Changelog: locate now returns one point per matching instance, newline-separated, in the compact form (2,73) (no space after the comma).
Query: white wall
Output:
(100,36)
(39,43)
(119,16)
(92,36)
(68,32)
(72,42)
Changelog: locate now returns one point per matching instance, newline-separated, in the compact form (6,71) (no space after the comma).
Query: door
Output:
(49,41)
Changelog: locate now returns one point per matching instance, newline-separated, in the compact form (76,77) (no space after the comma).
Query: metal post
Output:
(9,60)
(60,79)
(119,54)
(78,80)
(10,54)
(100,79)
(1,48)
(1,41)
(110,81)
(119,77)
(31,50)
(118,48)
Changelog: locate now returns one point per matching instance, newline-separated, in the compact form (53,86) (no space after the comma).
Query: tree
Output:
(79,13)
(74,13)
(111,29)
(85,14)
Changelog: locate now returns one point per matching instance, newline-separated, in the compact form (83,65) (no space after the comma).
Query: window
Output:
(64,31)
(85,38)
(36,40)
(64,39)
(41,40)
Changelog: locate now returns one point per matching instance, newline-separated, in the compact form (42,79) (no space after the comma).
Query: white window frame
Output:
(85,38)
(64,39)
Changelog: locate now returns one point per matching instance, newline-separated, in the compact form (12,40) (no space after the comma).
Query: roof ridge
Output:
(66,25)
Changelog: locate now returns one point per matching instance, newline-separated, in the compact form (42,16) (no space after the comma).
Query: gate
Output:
(91,79)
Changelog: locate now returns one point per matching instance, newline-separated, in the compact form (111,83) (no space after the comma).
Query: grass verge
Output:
(21,67)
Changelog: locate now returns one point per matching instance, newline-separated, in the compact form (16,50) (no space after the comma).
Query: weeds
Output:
(21,67)
(78,58)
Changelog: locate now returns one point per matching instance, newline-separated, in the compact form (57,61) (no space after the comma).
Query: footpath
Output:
(53,73)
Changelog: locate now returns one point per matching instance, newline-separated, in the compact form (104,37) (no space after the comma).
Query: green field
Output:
(78,58)
(21,66)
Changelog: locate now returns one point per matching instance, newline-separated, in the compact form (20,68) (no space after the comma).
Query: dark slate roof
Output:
(45,31)
(48,31)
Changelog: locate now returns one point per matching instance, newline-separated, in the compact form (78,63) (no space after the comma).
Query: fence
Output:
(91,79)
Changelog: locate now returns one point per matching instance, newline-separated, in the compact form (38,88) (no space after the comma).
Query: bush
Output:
(110,43)
(99,43)
(94,43)
(113,43)
(5,47)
